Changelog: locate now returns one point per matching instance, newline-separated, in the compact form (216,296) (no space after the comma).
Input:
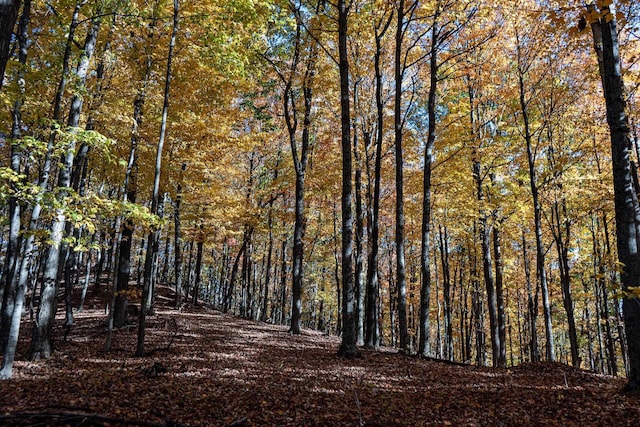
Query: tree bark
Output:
(8,16)
(10,330)
(154,234)
(372,335)
(348,346)
(41,339)
(541,273)
(401,274)
(627,209)
(177,262)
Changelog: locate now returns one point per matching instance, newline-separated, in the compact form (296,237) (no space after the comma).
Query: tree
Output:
(627,208)
(41,339)
(8,16)
(13,289)
(304,51)
(152,240)
(348,346)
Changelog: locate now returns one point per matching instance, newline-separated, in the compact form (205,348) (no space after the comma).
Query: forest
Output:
(455,180)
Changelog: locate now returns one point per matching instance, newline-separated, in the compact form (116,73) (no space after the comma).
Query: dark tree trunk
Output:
(228,301)
(401,275)
(541,273)
(177,264)
(8,16)
(348,347)
(359,255)
(267,270)
(487,263)
(627,208)
(446,285)
(501,321)
(562,234)
(131,189)
(283,283)
(372,339)
(153,235)
(196,287)
(532,304)
(425,248)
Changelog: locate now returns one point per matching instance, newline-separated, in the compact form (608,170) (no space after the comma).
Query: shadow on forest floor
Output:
(222,370)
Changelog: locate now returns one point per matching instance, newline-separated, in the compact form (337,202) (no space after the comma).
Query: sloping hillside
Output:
(215,369)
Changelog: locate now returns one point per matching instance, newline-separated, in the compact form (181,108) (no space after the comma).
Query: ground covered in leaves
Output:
(220,370)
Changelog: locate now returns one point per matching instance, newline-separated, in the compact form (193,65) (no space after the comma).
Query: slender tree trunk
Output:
(283,282)
(500,313)
(359,255)
(446,285)
(267,270)
(336,269)
(541,274)
(401,279)
(348,347)
(372,339)
(562,236)
(29,246)
(228,304)
(532,304)
(153,236)
(130,194)
(177,265)
(196,288)
(9,279)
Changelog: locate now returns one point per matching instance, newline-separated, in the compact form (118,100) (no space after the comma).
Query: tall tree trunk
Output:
(196,288)
(348,346)
(10,272)
(446,285)
(12,289)
(372,339)
(487,263)
(45,173)
(267,270)
(541,273)
(283,282)
(561,236)
(41,339)
(177,263)
(627,208)
(8,16)
(359,255)
(401,274)
(228,301)
(500,313)
(532,304)
(425,249)
(153,235)
(119,311)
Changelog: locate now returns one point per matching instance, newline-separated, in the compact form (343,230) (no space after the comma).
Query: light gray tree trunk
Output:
(13,290)
(41,339)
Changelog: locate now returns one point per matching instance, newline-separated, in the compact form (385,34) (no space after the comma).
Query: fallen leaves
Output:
(222,370)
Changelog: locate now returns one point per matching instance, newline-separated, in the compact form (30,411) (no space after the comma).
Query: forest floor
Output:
(219,370)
